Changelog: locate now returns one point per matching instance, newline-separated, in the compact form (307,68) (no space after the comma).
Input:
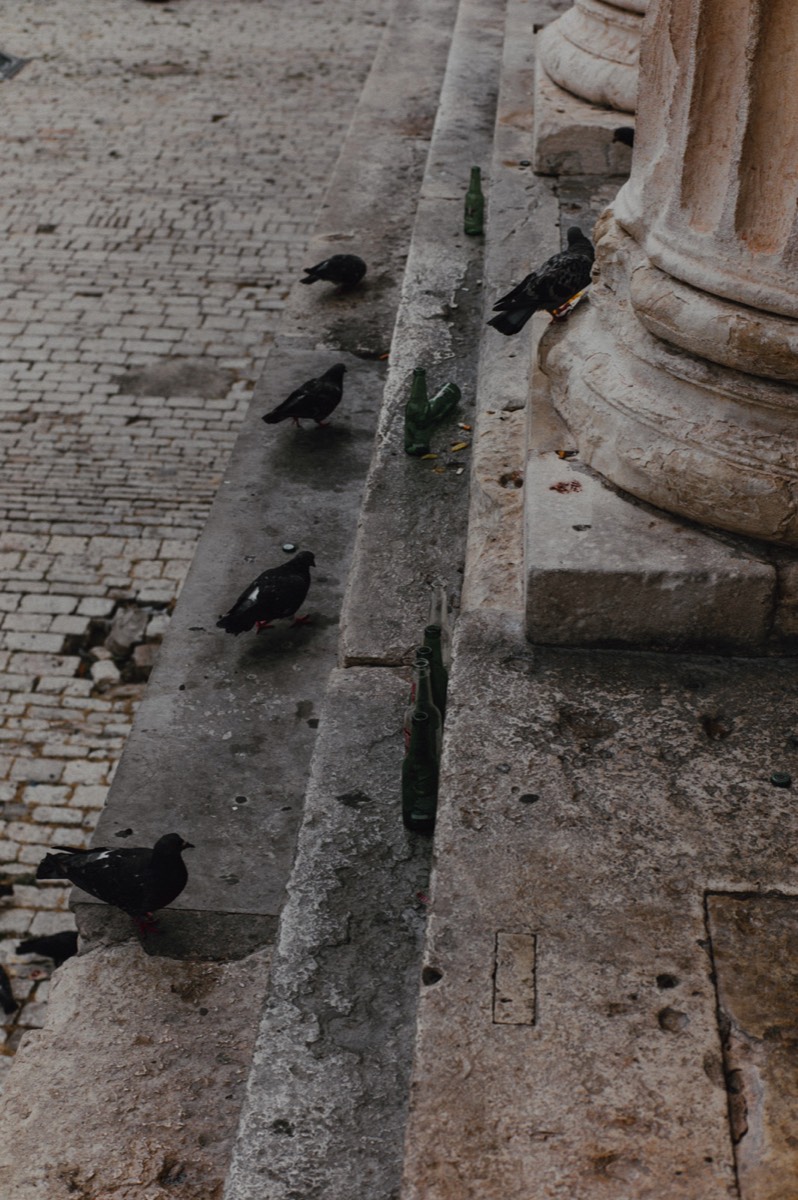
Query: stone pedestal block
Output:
(586,87)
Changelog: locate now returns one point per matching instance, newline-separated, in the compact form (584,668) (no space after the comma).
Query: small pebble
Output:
(781,779)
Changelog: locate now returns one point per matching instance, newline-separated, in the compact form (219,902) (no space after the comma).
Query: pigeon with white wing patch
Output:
(137,879)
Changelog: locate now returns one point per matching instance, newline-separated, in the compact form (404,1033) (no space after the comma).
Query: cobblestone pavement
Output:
(163,165)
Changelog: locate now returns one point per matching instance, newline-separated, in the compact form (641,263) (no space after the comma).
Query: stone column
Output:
(678,379)
(586,86)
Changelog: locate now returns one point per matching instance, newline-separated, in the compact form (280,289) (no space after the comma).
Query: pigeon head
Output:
(304,559)
(575,235)
(336,372)
(171,843)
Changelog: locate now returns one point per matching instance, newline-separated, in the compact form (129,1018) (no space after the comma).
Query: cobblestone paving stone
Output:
(163,165)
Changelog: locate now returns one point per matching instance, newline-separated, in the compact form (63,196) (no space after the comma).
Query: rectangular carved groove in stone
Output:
(514,979)
(754,942)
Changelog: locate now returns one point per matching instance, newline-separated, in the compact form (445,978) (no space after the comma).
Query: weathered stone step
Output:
(326,1100)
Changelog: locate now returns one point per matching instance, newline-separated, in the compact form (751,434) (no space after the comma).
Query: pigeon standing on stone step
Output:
(313,401)
(276,593)
(136,879)
(346,270)
(57,946)
(550,287)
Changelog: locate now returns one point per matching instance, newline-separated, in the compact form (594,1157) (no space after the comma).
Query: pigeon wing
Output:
(524,293)
(562,277)
(294,405)
(281,592)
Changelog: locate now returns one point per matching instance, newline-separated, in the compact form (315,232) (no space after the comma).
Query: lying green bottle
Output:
(443,402)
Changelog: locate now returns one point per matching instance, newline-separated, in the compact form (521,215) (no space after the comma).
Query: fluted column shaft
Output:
(679,378)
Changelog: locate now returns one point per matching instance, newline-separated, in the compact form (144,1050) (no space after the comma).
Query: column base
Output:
(573,137)
(603,569)
(688,435)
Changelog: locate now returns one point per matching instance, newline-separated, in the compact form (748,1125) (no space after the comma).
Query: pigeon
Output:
(7,1001)
(625,135)
(344,269)
(314,400)
(136,879)
(550,287)
(276,593)
(57,946)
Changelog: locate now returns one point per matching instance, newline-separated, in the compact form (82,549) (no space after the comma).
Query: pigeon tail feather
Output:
(512,322)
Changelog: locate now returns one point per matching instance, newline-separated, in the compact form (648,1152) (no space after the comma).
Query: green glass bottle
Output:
(417,415)
(421,701)
(474,214)
(438,674)
(443,402)
(420,777)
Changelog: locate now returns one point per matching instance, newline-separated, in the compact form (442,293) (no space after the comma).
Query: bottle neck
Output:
(423,685)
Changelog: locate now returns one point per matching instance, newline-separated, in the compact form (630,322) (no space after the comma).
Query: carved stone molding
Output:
(592,51)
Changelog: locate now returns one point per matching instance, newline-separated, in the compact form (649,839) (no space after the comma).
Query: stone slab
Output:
(327,1095)
(574,137)
(221,744)
(133,1087)
(412,525)
(604,569)
(589,802)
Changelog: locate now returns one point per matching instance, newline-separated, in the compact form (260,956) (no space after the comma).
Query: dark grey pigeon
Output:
(275,594)
(7,1001)
(313,401)
(137,879)
(346,270)
(57,946)
(550,287)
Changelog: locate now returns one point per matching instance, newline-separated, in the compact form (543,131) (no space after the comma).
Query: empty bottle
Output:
(443,402)
(420,776)
(417,415)
(474,214)
(421,701)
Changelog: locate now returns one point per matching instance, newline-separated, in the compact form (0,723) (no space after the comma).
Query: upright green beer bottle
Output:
(420,777)
(422,701)
(474,215)
(417,415)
